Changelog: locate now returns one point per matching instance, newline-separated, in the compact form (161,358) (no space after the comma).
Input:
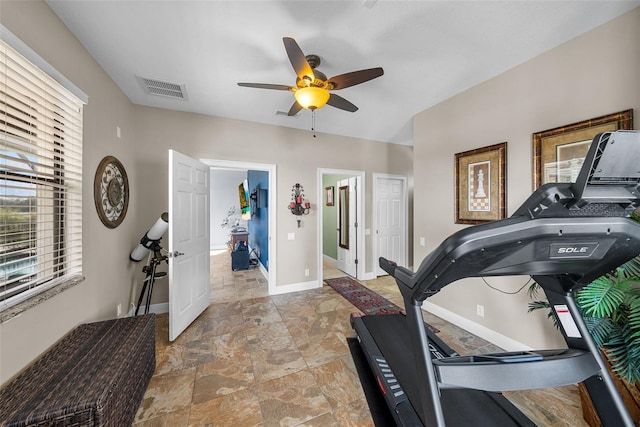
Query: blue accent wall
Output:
(259,224)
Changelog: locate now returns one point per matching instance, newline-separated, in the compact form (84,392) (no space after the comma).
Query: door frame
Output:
(405,202)
(360,231)
(271,203)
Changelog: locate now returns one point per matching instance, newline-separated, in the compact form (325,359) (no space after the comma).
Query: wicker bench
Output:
(95,376)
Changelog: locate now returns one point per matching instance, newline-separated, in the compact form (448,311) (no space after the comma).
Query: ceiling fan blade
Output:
(266,86)
(297,58)
(295,108)
(341,103)
(355,77)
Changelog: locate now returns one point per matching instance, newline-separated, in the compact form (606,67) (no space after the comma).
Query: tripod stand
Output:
(151,274)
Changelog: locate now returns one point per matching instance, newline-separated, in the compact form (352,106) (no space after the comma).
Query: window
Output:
(40,180)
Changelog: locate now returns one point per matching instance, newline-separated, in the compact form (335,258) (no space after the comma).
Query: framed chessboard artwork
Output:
(480,177)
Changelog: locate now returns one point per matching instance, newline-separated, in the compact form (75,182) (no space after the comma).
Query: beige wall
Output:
(108,272)
(592,75)
(147,134)
(296,154)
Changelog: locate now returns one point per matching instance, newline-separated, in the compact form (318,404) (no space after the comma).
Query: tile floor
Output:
(255,360)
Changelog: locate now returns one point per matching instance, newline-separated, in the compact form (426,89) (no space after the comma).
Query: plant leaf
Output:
(601,329)
(631,268)
(551,314)
(624,355)
(537,305)
(533,291)
(603,296)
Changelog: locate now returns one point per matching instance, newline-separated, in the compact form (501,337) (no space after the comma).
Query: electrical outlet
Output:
(480,310)
(306,272)
(119,310)
(422,242)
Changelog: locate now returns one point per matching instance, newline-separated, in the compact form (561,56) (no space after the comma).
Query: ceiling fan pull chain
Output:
(313,122)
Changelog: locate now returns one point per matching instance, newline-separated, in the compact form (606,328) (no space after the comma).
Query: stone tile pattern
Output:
(255,360)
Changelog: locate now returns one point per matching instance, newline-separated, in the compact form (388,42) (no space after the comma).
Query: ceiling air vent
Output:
(160,88)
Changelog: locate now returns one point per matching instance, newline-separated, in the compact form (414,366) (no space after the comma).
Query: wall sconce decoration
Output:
(298,206)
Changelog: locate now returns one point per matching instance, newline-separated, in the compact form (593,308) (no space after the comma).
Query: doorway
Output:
(328,225)
(390,219)
(270,196)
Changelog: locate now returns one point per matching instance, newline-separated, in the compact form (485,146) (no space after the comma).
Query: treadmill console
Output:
(607,185)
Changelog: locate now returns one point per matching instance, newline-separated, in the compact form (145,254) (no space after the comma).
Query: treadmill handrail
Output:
(388,266)
(518,245)
(396,271)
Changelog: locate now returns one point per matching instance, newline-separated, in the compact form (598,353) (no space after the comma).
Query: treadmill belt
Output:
(377,406)
(461,407)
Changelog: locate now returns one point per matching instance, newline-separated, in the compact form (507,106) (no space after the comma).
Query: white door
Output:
(347,225)
(390,221)
(189,286)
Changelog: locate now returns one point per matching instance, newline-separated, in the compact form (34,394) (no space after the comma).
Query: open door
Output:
(189,285)
(347,225)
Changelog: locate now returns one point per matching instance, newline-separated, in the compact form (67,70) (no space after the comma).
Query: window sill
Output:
(20,308)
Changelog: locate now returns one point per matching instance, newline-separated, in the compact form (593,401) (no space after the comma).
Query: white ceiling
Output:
(430,51)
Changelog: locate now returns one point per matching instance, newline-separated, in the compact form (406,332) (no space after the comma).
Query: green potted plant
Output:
(611,309)
(610,306)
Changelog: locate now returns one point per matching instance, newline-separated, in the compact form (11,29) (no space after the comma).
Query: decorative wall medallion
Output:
(111,191)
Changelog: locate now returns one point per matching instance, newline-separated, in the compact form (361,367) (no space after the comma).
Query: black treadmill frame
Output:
(563,236)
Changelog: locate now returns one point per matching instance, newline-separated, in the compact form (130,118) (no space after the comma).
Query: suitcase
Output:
(240,257)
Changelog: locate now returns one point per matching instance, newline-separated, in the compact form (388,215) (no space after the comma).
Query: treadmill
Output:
(564,236)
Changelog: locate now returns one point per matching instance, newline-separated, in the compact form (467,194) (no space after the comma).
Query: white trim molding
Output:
(153,308)
(271,203)
(296,287)
(24,50)
(361,197)
(490,335)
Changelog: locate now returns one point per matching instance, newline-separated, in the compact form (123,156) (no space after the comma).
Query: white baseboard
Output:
(490,335)
(153,308)
(296,287)
(330,260)
(368,276)
(263,270)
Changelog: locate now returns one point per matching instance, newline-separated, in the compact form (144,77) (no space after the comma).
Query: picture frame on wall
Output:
(480,180)
(329,195)
(558,153)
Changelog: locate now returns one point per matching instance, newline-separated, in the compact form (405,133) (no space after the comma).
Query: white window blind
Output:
(40,180)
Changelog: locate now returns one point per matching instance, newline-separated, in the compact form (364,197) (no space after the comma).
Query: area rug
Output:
(364,298)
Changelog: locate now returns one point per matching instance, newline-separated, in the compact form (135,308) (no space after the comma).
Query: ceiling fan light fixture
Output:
(311,97)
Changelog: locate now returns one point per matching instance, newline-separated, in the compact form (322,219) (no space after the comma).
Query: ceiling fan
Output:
(312,86)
